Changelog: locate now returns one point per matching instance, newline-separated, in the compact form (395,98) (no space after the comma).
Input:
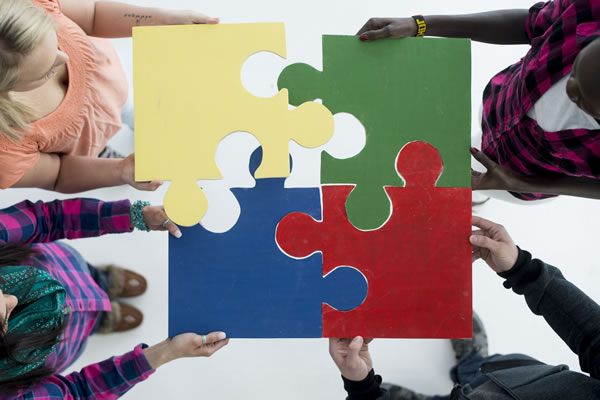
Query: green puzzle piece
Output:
(401,90)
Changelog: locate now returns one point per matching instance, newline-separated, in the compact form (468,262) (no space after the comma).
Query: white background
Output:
(561,231)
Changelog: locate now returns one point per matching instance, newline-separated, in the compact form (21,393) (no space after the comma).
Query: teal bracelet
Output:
(135,212)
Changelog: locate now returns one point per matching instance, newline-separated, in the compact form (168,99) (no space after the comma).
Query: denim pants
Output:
(467,369)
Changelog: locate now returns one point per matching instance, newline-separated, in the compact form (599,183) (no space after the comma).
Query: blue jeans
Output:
(467,369)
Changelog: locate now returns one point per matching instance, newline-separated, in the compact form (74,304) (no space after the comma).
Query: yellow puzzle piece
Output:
(189,96)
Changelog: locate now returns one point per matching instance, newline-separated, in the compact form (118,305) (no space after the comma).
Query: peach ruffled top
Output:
(90,113)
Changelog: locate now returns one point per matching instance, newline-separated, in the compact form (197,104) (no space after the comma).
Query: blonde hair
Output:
(22,28)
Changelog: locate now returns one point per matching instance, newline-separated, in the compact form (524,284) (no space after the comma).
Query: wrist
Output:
(159,354)
(420,26)
(136,215)
(356,376)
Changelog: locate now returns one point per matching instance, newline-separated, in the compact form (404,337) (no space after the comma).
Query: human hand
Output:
(351,357)
(493,244)
(496,176)
(185,345)
(127,175)
(188,17)
(377,28)
(156,220)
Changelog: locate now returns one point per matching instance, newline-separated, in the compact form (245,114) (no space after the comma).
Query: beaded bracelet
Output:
(135,212)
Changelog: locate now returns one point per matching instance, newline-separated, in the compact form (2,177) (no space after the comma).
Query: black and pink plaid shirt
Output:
(42,224)
(557,31)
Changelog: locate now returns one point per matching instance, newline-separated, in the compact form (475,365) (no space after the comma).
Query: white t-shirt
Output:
(554,111)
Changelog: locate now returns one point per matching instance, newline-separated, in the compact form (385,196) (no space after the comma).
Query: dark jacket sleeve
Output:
(571,313)
(367,389)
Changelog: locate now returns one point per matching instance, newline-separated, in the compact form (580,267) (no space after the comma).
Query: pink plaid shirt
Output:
(557,31)
(41,224)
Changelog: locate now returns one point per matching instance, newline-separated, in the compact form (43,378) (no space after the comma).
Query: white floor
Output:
(560,231)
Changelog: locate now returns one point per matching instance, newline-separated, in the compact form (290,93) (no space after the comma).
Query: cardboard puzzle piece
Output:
(240,282)
(418,264)
(401,90)
(189,95)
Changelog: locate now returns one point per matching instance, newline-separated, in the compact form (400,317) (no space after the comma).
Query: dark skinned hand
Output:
(377,28)
(496,176)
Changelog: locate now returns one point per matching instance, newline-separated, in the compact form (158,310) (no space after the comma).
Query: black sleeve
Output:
(367,389)
(571,313)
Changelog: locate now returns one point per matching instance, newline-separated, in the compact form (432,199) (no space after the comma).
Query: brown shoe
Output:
(122,317)
(124,282)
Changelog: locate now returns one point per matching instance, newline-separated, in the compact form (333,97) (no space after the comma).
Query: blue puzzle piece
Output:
(241,283)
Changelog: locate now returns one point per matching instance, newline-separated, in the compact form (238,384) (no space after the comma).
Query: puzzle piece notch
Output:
(417,264)
(188,95)
(255,290)
(419,164)
(398,101)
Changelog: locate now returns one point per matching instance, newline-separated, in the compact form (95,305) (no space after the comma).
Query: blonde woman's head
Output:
(28,55)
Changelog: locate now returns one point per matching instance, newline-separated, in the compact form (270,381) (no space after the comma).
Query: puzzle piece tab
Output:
(189,96)
(401,90)
(418,264)
(240,282)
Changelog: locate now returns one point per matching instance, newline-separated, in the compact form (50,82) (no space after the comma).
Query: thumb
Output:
(486,243)
(375,34)
(205,19)
(354,347)
(149,186)
(173,229)
(482,158)
(213,337)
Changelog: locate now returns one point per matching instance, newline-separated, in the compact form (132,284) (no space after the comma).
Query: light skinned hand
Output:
(184,345)
(188,17)
(496,176)
(377,28)
(493,244)
(351,357)
(127,172)
(190,345)
(155,217)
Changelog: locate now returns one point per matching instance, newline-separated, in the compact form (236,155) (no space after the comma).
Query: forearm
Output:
(109,379)
(114,20)
(158,354)
(79,174)
(497,27)
(573,315)
(561,185)
(38,222)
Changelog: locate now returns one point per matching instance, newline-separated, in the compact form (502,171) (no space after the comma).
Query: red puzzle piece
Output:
(417,265)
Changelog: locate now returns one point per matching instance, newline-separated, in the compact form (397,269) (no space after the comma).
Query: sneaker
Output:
(478,343)
(109,152)
(402,393)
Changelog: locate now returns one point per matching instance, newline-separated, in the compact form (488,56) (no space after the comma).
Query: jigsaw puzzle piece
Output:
(185,106)
(417,265)
(401,91)
(242,283)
